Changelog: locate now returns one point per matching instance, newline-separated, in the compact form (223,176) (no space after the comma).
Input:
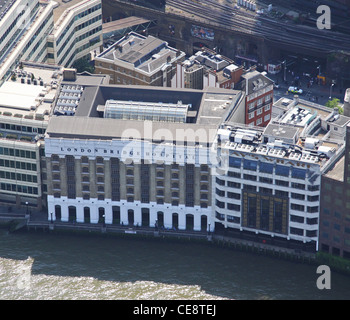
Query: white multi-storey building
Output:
(24,26)
(54,32)
(77,31)
(270,184)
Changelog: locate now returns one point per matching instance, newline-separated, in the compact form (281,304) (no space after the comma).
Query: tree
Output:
(83,65)
(334,103)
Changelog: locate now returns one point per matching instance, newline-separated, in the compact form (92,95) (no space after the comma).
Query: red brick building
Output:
(259,97)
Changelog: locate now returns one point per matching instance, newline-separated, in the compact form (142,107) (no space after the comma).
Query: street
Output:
(317,93)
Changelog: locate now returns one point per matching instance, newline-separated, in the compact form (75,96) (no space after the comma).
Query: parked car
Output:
(295,90)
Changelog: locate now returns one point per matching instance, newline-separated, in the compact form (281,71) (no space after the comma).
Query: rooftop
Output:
(144,53)
(337,172)
(254,81)
(5,5)
(31,90)
(204,109)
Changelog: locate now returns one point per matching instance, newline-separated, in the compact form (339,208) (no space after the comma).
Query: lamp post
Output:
(330,91)
(285,70)
(209,229)
(51,217)
(26,208)
(319,70)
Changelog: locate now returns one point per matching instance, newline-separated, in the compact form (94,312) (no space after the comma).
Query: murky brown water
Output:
(43,266)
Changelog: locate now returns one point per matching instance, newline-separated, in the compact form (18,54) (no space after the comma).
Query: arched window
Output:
(99,170)
(175,185)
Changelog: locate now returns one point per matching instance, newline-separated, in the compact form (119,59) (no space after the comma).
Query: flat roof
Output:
(15,95)
(337,171)
(62,6)
(122,23)
(208,109)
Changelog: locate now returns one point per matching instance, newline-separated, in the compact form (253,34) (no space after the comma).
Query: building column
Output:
(197,221)
(51,209)
(93,213)
(64,212)
(108,214)
(182,220)
(80,213)
(124,215)
(168,219)
(152,217)
(137,217)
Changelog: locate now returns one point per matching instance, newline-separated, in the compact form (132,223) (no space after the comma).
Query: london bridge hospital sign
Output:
(189,147)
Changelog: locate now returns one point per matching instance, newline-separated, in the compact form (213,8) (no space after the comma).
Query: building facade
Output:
(162,176)
(206,68)
(24,27)
(25,105)
(335,207)
(77,32)
(259,97)
(270,188)
(139,60)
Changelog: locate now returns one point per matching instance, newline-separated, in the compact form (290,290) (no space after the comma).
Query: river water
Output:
(44,266)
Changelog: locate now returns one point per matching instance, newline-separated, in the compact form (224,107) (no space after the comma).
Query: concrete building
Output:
(206,68)
(270,190)
(25,105)
(334,234)
(139,60)
(24,26)
(137,155)
(76,33)
(54,32)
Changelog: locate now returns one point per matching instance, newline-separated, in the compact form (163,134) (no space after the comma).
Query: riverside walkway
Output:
(38,221)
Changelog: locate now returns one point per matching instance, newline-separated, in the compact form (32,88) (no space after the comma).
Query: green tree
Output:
(83,65)
(334,103)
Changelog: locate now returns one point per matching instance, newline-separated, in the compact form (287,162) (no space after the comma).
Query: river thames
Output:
(44,266)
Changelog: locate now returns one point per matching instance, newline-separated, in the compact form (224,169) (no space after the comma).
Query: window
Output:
(282,170)
(298,173)
(249,177)
(297,196)
(267,107)
(235,162)
(251,115)
(266,167)
(297,207)
(250,164)
(265,180)
(233,184)
(258,112)
(259,121)
(219,192)
(232,195)
(233,207)
(281,183)
(220,182)
(296,231)
(220,204)
(298,186)
(267,118)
